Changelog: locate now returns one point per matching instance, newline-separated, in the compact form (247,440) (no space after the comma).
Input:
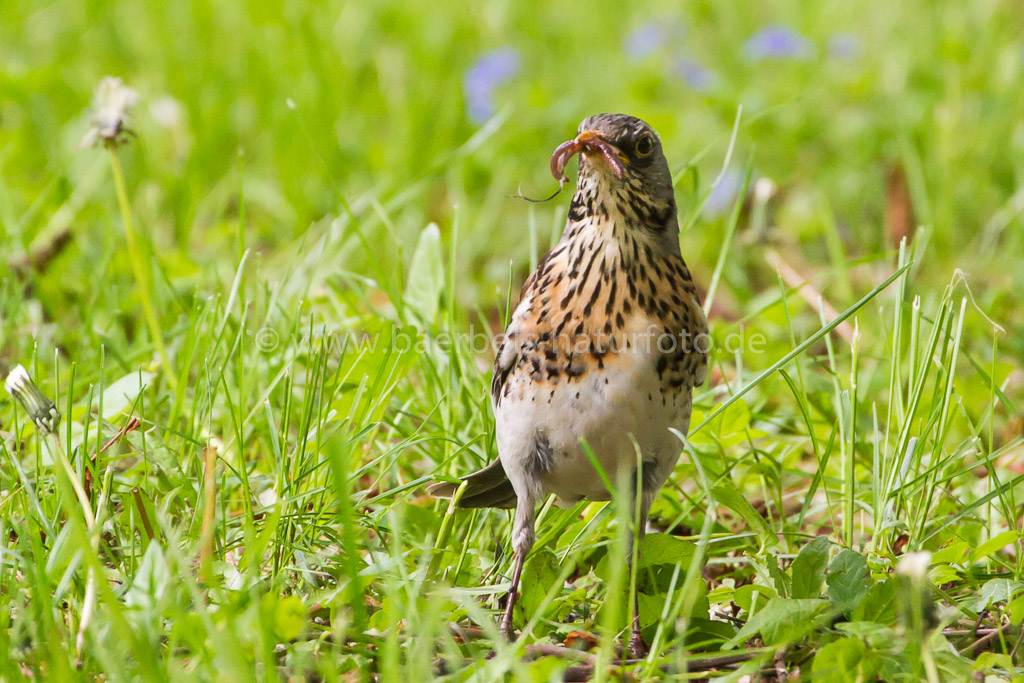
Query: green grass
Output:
(262,352)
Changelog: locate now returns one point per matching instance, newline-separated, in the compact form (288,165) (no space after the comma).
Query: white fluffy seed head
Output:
(914,565)
(113,101)
(764,189)
(17,380)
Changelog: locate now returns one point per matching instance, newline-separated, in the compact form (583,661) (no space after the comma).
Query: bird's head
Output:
(618,152)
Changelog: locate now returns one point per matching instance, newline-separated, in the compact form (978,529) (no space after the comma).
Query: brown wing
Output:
(508,351)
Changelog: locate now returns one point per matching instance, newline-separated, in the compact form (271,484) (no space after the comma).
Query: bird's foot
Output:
(508,634)
(636,648)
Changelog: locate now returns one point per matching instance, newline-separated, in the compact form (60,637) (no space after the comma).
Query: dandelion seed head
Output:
(41,409)
(111,107)
(764,189)
(914,565)
(16,380)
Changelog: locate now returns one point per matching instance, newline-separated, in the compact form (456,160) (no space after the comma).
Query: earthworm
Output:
(585,141)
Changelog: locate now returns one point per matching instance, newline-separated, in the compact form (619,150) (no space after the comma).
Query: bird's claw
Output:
(636,648)
(507,632)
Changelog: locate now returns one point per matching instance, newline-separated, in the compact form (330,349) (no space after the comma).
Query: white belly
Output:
(620,412)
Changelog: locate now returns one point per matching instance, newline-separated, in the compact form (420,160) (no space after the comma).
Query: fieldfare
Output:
(603,350)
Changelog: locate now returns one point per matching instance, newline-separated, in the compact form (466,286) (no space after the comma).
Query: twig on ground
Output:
(986,634)
(583,672)
(538,650)
(952,632)
(584,669)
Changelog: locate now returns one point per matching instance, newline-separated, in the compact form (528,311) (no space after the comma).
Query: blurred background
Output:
(284,162)
(869,120)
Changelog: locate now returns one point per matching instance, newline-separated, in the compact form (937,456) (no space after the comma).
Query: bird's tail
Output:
(486,488)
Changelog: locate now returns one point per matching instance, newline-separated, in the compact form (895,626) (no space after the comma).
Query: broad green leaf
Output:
(752,597)
(651,606)
(189,629)
(702,629)
(994,544)
(151,579)
(546,669)
(954,553)
(992,592)
(848,579)
(873,634)
(119,396)
(727,495)
(64,551)
(843,661)
(782,620)
(563,606)
(736,418)
(167,464)
(942,573)
(778,577)
(809,568)
(381,619)
(727,428)
(665,549)
(722,595)
(994,660)
(880,604)
(539,573)
(949,664)
(289,618)
(426,275)
(1016,610)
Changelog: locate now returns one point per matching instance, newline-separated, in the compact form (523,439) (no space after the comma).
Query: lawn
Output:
(266,316)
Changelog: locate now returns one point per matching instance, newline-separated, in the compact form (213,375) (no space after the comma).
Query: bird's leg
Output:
(522,541)
(513,592)
(636,648)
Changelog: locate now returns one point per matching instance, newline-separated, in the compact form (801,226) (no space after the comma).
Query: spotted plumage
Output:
(606,343)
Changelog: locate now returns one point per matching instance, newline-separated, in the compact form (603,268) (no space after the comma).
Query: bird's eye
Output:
(644,146)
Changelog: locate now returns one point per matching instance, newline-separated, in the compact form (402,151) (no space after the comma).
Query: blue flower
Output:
(723,193)
(644,40)
(845,46)
(490,71)
(696,75)
(777,42)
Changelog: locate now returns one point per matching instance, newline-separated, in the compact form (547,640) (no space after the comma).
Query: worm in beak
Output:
(587,141)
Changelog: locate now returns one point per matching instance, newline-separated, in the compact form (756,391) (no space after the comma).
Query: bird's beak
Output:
(588,141)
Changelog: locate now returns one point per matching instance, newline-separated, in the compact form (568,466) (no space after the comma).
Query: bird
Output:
(603,350)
